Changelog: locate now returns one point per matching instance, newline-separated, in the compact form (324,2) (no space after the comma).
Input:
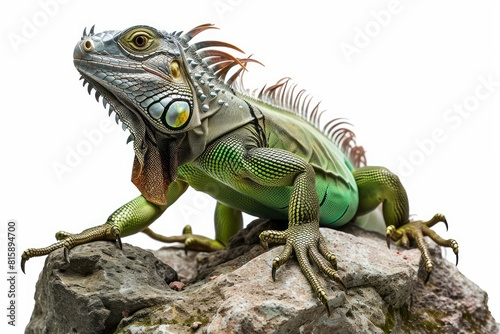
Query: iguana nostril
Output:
(88,45)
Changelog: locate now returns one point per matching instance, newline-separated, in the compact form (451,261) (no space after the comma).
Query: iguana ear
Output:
(150,178)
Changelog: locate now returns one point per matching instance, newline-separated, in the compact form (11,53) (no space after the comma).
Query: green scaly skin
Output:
(193,125)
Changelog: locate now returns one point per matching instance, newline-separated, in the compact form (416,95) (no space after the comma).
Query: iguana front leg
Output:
(246,171)
(275,167)
(378,185)
(129,219)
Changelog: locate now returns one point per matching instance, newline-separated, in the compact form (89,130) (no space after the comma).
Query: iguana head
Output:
(163,90)
(175,97)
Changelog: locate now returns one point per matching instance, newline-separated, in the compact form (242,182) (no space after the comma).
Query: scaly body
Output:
(194,124)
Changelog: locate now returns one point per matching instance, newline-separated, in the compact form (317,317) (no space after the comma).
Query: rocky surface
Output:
(100,286)
(106,290)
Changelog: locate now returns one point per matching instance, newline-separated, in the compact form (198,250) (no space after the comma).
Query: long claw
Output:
(119,241)
(23,263)
(454,245)
(344,287)
(66,254)
(445,224)
(281,259)
(427,277)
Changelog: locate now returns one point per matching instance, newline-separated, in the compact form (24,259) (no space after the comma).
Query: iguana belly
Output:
(338,200)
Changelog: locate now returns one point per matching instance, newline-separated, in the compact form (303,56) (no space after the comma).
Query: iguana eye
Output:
(140,41)
(177,115)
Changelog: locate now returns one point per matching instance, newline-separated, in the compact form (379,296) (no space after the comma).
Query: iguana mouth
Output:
(129,116)
(148,172)
(109,103)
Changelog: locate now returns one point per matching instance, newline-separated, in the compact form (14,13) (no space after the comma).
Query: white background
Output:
(410,69)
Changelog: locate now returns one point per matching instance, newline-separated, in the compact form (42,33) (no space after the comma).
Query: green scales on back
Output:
(194,124)
(289,128)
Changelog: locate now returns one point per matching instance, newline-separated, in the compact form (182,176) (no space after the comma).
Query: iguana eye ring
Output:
(177,114)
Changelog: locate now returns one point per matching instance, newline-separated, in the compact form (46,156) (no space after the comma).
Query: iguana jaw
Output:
(129,117)
(149,173)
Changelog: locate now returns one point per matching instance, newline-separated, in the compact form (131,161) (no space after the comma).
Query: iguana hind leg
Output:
(190,241)
(416,231)
(378,185)
(228,222)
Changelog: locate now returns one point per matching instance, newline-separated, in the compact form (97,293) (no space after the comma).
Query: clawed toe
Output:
(308,245)
(67,241)
(188,239)
(416,231)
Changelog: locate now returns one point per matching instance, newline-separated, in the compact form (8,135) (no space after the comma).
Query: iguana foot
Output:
(191,241)
(416,231)
(305,240)
(68,241)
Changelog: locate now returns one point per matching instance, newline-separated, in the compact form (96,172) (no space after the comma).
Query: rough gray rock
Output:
(100,286)
(231,291)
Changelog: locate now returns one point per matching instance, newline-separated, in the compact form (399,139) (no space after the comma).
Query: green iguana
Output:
(193,123)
